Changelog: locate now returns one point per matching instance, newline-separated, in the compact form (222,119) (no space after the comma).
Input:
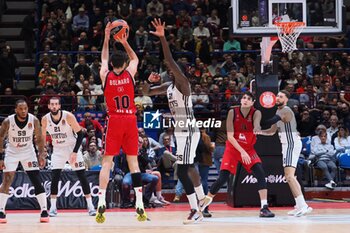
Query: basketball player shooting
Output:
(241,123)
(67,137)
(20,129)
(284,121)
(121,122)
(180,103)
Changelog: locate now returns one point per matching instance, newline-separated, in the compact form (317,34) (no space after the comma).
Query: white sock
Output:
(89,203)
(263,202)
(53,203)
(296,204)
(3,201)
(300,201)
(42,201)
(199,192)
(102,197)
(138,196)
(159,194)
(192,199)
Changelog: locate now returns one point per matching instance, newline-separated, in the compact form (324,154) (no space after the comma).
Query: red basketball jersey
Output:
(119,93)
(243,128)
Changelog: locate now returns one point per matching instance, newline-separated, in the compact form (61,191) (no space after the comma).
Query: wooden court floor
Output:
(332,218)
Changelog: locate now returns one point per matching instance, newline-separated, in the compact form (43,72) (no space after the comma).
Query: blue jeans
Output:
(178,189)
(147,179)
(218,153)
(204,172)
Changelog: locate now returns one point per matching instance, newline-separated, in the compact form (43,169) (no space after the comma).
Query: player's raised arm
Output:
(134,60)
(230,131)
(181,80)
(105,54)
(157,90)
(3,132)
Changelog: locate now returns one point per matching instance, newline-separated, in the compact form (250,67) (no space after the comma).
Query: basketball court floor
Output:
(326,217)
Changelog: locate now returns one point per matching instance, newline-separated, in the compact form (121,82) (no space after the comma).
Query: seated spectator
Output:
(185,35)
(170,20)
(166,156)
(157,6)
(316,139)
(47,74)
(169,131)
(82,43)
(92,156)
(333,128)
(152,143)
(50,36)
(306,125)
(342,141)
(145,102)
(147,178)
(110,16)
(81,68)
(141,38)
(200,99)
(80,22)
(88,120)
(124,9)
(323,154)
(232,44)
(86,102)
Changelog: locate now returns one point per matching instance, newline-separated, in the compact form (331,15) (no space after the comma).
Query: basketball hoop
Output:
(288,32)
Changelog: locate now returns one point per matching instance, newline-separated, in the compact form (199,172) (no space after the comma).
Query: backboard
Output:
(256,17)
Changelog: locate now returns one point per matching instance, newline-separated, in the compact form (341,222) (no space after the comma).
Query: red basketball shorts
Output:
(121,132)
(232,156)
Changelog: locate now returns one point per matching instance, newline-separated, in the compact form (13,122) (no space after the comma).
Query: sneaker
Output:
(333,184)
(293,212)
(302,211)
(176,199)
(44,216)
(100,216)
(141,214)
(205,202)
(193,217)
(3,217)
(266,213)
(156,203)
(206,213)
(163,201)
(53,213)
(329,186)
(92,212)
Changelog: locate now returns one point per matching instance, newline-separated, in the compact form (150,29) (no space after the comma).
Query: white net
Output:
(288,33)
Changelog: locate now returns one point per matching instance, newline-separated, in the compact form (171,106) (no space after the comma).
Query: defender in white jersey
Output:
(284,121)
(187,136)
(20,129)
(67,136)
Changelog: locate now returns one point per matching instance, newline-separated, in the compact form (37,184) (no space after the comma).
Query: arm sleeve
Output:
(79,141)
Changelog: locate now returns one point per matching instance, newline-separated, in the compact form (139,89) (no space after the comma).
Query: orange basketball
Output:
(119,27)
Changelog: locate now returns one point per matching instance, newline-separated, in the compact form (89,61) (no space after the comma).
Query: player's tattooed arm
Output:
(181,81)
(3,132)
(39,139)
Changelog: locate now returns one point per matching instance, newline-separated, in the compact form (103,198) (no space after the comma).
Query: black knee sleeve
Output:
(222,179)
(56,174)
(83,181)
(259,173)
(182,173)
(136,179)
(34,177)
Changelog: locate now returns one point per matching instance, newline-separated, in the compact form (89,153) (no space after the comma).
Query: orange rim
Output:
(288,27)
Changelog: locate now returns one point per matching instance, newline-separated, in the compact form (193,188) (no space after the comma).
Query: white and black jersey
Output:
(290,139)
(186,133)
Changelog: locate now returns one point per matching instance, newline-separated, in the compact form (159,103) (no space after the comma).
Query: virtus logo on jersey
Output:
(157,120)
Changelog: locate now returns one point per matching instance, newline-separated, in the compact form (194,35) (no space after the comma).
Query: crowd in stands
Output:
(318,80)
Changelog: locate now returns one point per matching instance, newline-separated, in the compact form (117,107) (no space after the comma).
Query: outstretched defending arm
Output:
(181,80)
(105,54)
(158,90)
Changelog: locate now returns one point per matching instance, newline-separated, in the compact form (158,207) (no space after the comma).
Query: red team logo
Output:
(267,99)
(30,125)
(63,122)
